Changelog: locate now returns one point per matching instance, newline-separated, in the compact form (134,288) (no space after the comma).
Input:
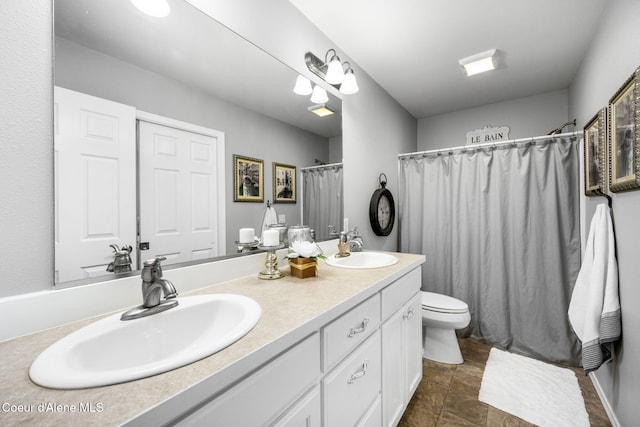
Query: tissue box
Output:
(303,267)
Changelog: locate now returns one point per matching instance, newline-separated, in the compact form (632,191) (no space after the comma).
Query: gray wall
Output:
(614,54)
(246,132)
(525,117)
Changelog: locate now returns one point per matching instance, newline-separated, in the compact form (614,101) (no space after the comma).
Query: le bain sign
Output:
(488,134)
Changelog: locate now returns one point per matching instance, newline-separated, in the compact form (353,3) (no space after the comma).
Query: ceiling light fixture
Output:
(155,8)
(321,110)
(479,63)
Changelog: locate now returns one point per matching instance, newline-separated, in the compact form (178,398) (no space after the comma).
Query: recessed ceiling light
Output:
(479,63)
(321,110)
(155,8)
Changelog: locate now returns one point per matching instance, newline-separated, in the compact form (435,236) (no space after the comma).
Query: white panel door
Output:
(178,193)
(95,182)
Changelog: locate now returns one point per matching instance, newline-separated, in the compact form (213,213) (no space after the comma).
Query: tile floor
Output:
(448,395)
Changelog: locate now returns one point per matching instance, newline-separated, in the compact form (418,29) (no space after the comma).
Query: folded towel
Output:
(594,310)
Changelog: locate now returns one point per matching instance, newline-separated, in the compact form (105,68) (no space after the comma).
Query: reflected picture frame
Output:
(595,154)
(624,140)
(248,179)
(284,183)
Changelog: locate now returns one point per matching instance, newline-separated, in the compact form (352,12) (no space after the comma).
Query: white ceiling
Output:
(412,47)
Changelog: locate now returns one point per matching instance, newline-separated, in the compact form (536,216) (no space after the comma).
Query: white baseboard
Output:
(605,402)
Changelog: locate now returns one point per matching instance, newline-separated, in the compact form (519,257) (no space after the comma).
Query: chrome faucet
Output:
(343,246)
(349,241)
(356,244)
(153,287)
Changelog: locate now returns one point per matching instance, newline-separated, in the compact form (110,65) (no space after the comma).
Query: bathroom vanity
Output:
(342,348)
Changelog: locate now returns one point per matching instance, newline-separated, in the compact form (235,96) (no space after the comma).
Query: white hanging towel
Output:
(270,217)
(594,310)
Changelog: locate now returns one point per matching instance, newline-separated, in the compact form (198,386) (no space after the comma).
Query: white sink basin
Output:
(112,351)
(365,259)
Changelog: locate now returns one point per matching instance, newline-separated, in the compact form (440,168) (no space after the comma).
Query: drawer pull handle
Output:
(408,314)
(354,331)
(359,374)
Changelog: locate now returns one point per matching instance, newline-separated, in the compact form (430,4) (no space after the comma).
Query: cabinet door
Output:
(306,413)
(393,361)
(412,315)
(401,359)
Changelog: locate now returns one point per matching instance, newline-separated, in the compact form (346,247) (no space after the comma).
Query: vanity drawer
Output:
(266,393)
(351,389)
(399,292)
(347,331)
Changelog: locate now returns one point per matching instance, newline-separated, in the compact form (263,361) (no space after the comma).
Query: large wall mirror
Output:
(132,92)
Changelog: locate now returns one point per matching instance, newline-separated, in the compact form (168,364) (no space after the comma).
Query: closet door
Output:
(179,178)
(95,182)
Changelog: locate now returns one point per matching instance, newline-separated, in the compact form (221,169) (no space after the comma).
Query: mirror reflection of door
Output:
(178,193)
(95,183)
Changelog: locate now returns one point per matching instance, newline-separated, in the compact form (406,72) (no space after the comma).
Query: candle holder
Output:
(246,247)
(271,271)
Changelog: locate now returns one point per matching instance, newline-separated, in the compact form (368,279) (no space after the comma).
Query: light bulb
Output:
(303,86)
(349,85)
(319,95)
(335,75)
(155,8)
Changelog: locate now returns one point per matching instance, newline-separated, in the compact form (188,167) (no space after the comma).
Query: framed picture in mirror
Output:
(248,185)
(595,154)
(284,183)
(624,144)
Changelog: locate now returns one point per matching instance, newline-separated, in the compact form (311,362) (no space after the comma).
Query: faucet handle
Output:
(152,269)
(154,261)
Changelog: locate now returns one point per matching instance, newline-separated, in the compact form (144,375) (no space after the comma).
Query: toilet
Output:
(441,316)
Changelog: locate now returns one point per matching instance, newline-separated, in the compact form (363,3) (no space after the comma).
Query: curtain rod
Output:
(327,166)
(491,144)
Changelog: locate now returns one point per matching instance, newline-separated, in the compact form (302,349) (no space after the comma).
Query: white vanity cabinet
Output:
(359,369)
(401,345)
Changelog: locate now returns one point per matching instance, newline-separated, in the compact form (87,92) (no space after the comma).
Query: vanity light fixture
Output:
(479,63)
(321,110)
(155,8)
(331,70)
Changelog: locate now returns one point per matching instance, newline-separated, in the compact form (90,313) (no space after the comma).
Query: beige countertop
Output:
(291,310)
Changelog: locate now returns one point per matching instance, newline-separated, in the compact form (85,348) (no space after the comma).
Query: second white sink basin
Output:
(365,259)
(112,351)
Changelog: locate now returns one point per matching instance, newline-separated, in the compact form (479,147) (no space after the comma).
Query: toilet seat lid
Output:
(443,303)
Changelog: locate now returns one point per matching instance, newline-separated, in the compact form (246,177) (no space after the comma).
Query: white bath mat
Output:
(535,391)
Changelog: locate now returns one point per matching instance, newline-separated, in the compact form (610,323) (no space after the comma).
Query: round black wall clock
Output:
(382,209)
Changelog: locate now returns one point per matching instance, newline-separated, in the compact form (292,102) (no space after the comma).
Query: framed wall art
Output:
(248,185)
(624,144)
(595,154)
(284,183)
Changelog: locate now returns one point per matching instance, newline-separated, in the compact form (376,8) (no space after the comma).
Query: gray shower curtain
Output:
(500,229)
(322,204)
